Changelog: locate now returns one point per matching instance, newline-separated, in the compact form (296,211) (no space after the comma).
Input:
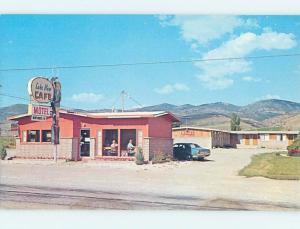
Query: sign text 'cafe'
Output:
(41,90)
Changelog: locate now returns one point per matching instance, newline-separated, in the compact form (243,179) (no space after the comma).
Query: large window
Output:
(128,142)
(33,136)
(46,135)
(110,143)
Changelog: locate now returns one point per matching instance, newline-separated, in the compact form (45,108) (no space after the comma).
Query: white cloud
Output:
(219,74)
(170,88)
(269,96)
(199,30)
(87,97)
(202,30)
(251,79)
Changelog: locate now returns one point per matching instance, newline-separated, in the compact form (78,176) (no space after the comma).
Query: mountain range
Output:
(269,114)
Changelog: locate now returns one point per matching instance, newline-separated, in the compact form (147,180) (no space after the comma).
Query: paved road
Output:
(20,197)
(212,184)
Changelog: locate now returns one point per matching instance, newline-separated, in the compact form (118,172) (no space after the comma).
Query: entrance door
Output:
(85,143)
(255,137)
(247,139)
(290,138)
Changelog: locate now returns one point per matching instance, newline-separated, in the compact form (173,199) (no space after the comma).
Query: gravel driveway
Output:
(215,179)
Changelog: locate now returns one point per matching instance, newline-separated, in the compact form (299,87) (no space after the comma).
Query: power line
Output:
(22,98)
(15,97)
(148,63)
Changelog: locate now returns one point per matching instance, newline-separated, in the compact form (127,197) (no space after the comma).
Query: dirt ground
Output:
(210,183)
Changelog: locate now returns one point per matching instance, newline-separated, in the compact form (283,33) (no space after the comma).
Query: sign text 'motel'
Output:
(41,110)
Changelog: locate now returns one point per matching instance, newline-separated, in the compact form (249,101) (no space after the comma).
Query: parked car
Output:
(189,151)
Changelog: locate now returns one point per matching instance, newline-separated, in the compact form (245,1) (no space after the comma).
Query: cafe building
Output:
(91,135)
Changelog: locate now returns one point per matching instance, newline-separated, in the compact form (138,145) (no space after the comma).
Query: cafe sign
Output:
(41,90)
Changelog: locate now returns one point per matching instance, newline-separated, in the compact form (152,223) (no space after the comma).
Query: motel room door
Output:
(247,139)
(85,142)
(255,139)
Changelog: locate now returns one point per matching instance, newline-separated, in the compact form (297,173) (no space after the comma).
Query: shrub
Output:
(161,158)
(139,159)
(294,149)
(3,153)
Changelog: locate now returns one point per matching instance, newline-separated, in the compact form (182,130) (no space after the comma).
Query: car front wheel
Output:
(189,158)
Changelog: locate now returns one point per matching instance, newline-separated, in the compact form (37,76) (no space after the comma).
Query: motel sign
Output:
(41,111)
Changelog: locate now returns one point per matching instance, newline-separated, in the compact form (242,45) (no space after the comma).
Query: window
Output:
(33,136)
(46,135)
(264,137)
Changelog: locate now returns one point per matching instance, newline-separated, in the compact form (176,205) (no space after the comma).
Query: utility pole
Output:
(55,103)
(123,95)
(123,100)
(186,121)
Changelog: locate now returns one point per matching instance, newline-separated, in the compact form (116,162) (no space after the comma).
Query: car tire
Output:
(189,158)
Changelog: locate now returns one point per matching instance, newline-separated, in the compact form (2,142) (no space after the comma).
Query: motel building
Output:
(212,138)
(90,135)
(205,137)
(263,139)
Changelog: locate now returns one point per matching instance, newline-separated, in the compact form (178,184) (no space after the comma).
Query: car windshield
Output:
(195,146)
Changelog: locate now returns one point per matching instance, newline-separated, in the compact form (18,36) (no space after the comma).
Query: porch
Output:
(111,144)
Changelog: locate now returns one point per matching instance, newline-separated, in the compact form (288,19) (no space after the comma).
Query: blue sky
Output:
(59,40)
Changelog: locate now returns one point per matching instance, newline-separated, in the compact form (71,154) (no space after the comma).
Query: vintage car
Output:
(189,151)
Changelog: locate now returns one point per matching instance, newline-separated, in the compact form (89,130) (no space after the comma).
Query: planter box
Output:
(294,152)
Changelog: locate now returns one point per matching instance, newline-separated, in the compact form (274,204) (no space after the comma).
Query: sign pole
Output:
(44,93)
(53,131)
(54,105)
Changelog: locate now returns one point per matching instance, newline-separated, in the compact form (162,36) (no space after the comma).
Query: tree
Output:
(235,122)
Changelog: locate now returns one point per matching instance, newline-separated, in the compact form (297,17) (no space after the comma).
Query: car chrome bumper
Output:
(201,155)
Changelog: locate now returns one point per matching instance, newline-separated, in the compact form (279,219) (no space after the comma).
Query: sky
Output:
(32,41)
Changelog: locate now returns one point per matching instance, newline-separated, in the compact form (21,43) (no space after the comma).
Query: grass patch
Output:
(274,166)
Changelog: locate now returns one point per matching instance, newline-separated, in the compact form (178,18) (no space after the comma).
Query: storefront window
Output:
(110,144)
(46,135)
(33,136)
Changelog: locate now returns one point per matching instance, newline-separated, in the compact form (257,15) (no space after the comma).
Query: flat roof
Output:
(199,128)
(265,132)
(238,132)
(110,115)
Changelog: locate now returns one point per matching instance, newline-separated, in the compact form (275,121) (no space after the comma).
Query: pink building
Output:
(90,135)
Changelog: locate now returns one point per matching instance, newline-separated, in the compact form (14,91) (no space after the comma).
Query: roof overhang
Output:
(199,128)
(265,132)
(112,115)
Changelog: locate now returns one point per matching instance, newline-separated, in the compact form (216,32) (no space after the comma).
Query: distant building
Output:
(206,137)
(263,139)
(8,129)
(211,138)
(90,135)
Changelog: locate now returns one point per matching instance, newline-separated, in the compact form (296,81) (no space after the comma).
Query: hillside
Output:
(289,121)
(259,115)
(12,110)
(253,116)
(268,108)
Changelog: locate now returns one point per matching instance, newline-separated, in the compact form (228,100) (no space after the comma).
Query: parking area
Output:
(213,179)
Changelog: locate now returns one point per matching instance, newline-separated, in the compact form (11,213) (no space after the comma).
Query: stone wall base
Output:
(67,149)
(157,146)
